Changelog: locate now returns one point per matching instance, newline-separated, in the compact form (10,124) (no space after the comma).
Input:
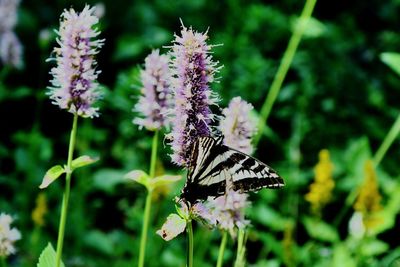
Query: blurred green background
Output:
(338,95)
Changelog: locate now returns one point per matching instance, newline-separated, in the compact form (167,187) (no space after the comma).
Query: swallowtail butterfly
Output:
(215,168)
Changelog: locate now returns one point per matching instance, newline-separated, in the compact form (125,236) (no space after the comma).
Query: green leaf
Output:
(320,230)
(374,247)
(313,29)
(100,241)
(140,177)
(342,257)
(392,60)
(48,257)
(51,175)
(107,179)
(163,180)
(268,217)
(82,161)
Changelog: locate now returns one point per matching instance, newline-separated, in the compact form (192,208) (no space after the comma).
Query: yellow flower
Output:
(40,210)
(368,200)
(321,189)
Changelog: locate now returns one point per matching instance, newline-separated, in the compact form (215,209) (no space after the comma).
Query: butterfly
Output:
(215,168)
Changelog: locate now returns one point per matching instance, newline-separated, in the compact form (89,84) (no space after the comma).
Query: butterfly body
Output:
(215,168)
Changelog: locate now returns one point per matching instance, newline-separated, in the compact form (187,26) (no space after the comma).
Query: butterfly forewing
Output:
(215,168)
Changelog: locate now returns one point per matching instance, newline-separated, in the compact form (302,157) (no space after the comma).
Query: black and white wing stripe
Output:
(215,168)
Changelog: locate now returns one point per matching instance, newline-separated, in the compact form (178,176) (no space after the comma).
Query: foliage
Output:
(339,95)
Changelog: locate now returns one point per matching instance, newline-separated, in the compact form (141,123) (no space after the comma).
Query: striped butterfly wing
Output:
(215,168)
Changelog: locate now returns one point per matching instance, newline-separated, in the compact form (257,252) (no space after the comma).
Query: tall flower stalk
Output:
(238,129)
(147,208)
(153,106)
(64,207)
(74,88)
(193,71)
(283,68)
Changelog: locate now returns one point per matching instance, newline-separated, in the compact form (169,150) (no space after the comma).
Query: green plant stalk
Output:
(64,209)
(4,72)
(379,155)
(189,229)
(239,261)
(222,249)
(387,142)
(147,207)
(283,68)
(3,262)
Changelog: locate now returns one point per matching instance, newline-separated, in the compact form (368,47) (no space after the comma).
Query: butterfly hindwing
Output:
(215,168)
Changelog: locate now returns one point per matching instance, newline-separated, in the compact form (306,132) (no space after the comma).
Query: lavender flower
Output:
(10,47)
(8,235)
(74,85)
(8,14)
(156,99)
(237,126)
(228,210)
(193,70)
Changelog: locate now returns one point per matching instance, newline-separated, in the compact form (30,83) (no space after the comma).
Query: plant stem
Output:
(64,209)
(189,229)
(283,68)
(387,142)
(147,207)
(384,147)
(222,249)
(3,262)
(240,261)
(4,72)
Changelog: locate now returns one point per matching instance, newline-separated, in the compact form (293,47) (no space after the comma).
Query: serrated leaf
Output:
(48,257)
(51,175)
(320,230)
(392,60)
(140,177)
(163,180)
(82,161)
(172,227)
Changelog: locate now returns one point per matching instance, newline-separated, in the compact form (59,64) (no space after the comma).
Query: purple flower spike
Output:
(74,85)
(237,126)
(10,49)
(157,97)
(10,46)
(228,211)
(8,14)
(193,70)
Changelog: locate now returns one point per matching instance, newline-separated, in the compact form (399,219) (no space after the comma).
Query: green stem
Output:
(387,142)
(64,209)
(240,253)
(222,249)
(189,229)
(283,68)
(147,207)
(4,72)
(3,262)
